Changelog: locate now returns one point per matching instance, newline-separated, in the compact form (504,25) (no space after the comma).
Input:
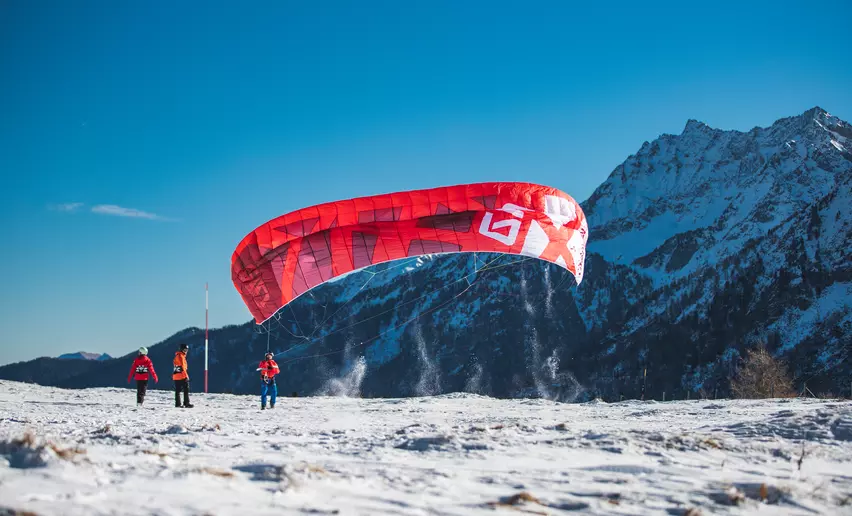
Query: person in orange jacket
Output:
(268,369)
(181,377)
(140,369)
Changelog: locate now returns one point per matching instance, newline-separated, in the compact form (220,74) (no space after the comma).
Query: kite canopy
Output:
(293,253)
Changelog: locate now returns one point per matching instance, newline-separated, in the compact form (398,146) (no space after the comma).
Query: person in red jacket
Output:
(140,369)
(268,369)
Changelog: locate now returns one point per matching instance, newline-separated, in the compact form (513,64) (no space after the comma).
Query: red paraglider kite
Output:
(293,253)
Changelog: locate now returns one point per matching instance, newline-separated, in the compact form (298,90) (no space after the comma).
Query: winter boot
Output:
(263,406)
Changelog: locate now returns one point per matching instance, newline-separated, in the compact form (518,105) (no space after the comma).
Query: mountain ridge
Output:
(84,355)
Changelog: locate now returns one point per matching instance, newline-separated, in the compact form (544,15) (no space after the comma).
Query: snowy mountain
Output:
(688,201)
(83,355)
(701,246)
(745,237)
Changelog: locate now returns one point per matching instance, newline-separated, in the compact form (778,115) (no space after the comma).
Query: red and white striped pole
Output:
(206,326)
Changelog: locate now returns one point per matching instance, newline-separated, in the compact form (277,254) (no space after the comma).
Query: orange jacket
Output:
(180,369)
(268,368)
(141,367)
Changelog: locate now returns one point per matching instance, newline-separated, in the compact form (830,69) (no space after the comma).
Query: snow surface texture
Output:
(93,452)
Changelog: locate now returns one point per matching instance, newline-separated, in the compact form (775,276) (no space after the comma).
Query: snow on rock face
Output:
(745,237)
(728,186)
(450,454)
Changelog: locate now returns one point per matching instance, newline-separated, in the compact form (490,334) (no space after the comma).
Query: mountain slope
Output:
(687,201)
(746,238)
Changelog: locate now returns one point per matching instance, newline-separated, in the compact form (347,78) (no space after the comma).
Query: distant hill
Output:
(83,355)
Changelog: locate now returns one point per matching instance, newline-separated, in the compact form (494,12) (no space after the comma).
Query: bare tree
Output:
(762,376)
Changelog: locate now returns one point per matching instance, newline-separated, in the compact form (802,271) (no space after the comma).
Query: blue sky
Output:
(140,141)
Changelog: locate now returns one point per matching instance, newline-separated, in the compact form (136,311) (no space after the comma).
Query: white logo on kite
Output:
(552,241)
(489,230)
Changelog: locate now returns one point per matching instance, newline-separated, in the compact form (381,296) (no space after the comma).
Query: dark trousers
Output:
(141,387)
(181,386)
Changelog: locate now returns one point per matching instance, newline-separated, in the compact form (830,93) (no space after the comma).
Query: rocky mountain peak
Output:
(693,125)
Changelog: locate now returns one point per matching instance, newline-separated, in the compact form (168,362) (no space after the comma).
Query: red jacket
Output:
(268,368)
(142,366)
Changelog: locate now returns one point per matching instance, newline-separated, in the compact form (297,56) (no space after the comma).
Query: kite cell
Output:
(289,255)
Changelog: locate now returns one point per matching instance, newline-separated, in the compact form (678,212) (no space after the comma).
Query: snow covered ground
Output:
(93,452)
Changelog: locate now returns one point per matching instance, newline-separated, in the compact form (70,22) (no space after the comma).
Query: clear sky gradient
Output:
(140,141)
